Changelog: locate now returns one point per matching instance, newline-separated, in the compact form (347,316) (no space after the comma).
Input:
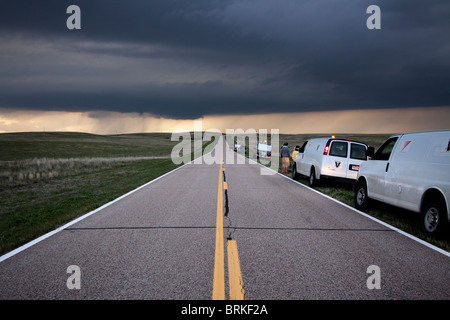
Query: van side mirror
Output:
(370,152)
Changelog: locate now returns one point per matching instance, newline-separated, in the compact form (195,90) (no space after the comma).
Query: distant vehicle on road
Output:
(323,158)
(239,148)
(411,171)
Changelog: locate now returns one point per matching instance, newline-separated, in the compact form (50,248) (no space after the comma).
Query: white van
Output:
(411,171)
(323,158)
(263,150)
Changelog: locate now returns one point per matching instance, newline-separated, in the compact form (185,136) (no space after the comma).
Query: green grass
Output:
(33,209)
(29,145)
(48,179)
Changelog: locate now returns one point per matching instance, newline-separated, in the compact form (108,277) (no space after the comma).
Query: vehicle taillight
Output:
(325,151)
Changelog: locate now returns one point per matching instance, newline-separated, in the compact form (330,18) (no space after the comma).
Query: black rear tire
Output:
(361,198)
(312,178)
(294,172)
(433,217)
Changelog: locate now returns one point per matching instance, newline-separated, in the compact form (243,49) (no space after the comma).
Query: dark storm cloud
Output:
(185,59)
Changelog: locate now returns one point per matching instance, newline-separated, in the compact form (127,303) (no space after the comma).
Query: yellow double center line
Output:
(219,265)
(234,270)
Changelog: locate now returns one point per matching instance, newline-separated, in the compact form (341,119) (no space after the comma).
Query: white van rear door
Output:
(358,154)
(336,162)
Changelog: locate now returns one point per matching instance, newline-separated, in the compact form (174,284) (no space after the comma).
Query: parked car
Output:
(411,171)
(323,158)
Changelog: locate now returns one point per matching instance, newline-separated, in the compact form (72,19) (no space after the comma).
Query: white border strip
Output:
(429,245)
(49,234)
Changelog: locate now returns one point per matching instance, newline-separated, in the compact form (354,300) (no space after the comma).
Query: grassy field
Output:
(48,179)
(29,145)
(399,218)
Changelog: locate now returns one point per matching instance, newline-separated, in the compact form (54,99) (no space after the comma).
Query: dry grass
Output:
(23,171)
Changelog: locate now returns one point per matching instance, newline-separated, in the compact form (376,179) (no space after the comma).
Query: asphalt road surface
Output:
(159,243)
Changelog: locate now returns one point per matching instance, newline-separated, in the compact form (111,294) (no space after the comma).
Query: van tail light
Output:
(327,147)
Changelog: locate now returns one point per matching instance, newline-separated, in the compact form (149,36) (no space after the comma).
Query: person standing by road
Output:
(285,157)
(294,153)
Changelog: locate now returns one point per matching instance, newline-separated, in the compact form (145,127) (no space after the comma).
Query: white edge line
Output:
(49,234)
(363,214)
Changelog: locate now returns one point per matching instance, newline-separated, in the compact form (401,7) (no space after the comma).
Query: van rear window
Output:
(339,149)
(358,152)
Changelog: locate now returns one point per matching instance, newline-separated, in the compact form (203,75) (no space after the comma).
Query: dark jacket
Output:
(285,152)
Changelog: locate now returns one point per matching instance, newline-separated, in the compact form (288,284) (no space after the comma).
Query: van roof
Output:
(430,131)
(420,132)
(337,139)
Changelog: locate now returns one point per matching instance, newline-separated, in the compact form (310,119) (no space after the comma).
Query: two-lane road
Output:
(159,243)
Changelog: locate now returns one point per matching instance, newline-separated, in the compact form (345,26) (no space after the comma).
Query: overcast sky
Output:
(188,59)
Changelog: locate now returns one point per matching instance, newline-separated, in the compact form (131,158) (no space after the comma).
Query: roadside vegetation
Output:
(402,219)
(49,179)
